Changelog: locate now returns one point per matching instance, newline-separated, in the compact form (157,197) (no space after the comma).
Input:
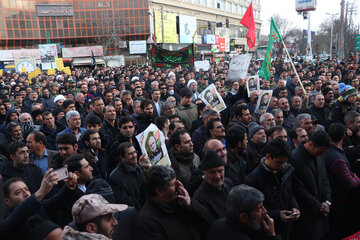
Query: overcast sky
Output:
(286,8)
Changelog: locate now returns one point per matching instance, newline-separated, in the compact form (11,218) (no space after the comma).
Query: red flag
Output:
(248,21)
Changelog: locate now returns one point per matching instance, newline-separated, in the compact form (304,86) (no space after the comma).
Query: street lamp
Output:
(331,31)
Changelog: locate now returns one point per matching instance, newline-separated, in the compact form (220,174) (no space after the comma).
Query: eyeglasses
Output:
(127,127)
(163,88)
(219,127)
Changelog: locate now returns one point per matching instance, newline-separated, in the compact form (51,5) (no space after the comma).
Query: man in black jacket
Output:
(126,178)
(213,191)
(273,177)
(169,212)
(236,167)
(22,205)
(246,217)
(311,187)
(20,167)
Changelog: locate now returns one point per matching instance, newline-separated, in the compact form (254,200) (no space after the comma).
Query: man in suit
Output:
(311,187)
(39,155)
(156,102)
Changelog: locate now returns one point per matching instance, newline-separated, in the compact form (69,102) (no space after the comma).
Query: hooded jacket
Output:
(5,123)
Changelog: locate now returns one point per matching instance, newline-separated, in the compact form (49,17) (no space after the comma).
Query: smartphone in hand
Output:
(63,173)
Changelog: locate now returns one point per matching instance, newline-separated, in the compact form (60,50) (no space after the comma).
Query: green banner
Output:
(274,35)
(165,58)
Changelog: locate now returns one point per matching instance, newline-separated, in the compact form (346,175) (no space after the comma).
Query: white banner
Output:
(202,64)
(238,68)
(28,64)
(188,27)
(137,47)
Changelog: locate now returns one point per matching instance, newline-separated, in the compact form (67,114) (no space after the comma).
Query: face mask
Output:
(171,92)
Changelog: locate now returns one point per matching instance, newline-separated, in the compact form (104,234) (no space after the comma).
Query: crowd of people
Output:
(288,173)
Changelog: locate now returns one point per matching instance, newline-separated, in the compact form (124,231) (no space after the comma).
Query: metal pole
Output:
(331,37)
(162,24)
(341,40)
(292,64)
(309,50)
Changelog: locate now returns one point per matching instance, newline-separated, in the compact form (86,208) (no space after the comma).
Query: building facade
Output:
(73,23)
(173,23)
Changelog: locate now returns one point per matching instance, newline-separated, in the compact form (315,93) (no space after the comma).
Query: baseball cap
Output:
(93,205)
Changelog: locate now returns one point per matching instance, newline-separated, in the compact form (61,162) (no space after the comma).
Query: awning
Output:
(86,61)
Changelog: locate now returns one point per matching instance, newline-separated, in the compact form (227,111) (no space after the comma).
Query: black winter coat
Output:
(311,187)
(126,185)
(227,230)
(170,221)
(278,191)
(31,174)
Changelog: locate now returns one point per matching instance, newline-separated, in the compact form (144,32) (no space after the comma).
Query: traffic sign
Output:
(357,37)
(357,48)
(357,42)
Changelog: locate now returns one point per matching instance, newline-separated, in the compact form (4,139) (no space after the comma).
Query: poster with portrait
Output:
(152,143)
(48,53)
(263,101)
(212,98)
(252,84)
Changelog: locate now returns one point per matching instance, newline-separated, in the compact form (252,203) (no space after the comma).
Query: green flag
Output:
(274,35)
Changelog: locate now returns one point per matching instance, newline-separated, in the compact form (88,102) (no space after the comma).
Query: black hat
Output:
(211,160)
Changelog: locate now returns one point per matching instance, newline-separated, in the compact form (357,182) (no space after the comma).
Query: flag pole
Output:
(292,64)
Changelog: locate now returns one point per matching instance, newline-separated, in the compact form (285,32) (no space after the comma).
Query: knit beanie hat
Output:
(211,160)
(326,91)
(253,128)
(346,91)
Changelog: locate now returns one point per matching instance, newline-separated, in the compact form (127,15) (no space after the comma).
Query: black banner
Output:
(165,58)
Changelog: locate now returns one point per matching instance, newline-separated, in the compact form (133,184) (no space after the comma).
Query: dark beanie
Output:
(101,187)
(253,128)
(211,160)
(38,227)
(326,90)
(56,111)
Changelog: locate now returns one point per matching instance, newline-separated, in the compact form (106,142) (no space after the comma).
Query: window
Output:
(220,4)
(203,2)
(234,9)
(212,3)
(228,6)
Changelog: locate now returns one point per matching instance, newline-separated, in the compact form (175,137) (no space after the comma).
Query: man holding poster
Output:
(152,143)
(212,98)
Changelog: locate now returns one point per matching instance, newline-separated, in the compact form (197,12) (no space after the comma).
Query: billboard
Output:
(11,55)
(305,5)
(137,47)
(54,10)
(188,27)
(208,39)
(168,22)
(82,51)
(48,54)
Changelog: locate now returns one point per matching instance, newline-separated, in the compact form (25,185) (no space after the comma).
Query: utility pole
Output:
(162,24)
(341,40)
(308,49)
(331,31)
